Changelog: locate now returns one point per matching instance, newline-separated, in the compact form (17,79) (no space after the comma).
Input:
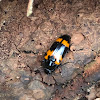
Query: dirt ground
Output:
(24,41)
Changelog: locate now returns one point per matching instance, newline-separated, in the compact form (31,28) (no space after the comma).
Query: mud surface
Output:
(24,41)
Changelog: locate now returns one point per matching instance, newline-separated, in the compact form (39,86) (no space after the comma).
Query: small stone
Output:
(77,38)
(38,94)
(38,89)
(17,77)
(34,85)
(25,79)
(48,79)
(67,71)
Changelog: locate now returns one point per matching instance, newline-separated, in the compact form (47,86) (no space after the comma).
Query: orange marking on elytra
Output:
(49,53)
(59,40)
(57,63)
(64,42)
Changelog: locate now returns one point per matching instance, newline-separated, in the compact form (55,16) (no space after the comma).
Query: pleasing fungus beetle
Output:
(55,54)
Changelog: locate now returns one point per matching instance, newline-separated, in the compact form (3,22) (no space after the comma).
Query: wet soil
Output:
(24,41)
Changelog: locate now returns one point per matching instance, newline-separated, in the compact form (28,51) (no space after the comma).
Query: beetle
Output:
(56,53)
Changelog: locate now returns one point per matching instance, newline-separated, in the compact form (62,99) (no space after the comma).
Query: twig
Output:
(30,7)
